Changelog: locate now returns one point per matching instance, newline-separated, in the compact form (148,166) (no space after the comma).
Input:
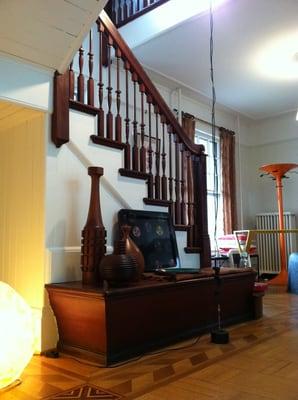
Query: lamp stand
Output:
(278,172)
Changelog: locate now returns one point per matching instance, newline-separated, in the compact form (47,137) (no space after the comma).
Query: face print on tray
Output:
(136,231)
(159,230)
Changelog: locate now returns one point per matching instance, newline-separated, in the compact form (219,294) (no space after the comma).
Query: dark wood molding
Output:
(150,89)
(156,202)
(192,250)
(181,227)
(107,142)
(60,116)
(201,211)
(140,13)
(133,174)
(85,108)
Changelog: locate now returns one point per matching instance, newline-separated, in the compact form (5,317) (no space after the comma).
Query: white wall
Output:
(68,193)
(257,143)
(275,140)
(26,84)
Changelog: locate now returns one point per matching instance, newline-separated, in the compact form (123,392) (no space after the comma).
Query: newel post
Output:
(201,236)
(60,116)
(94,234)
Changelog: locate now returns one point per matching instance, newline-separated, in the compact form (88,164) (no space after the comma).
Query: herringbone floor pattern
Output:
(260,362)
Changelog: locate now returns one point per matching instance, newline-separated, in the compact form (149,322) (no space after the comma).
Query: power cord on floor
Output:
(90,364)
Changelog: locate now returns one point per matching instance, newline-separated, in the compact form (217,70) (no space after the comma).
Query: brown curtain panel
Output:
(189,126)
(227,153)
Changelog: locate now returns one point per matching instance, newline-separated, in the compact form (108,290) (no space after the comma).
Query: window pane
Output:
(206,140)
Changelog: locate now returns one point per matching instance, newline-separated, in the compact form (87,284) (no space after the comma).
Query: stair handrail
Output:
(196,149)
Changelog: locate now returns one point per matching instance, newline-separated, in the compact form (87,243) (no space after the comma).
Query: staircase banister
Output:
(150,88)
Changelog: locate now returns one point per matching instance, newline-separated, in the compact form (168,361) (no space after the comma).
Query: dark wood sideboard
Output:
(110,325)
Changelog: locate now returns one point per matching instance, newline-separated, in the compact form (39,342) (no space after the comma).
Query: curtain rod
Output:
(206,122)
(198,119)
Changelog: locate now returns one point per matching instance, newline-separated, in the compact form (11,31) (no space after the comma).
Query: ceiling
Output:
(46,32)
(249,77)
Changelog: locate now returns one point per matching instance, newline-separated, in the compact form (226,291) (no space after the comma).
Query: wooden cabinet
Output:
(118,323)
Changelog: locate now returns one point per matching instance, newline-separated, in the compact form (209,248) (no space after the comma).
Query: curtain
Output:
(189,126)
(227,153)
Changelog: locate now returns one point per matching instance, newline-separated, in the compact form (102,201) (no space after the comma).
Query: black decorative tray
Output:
(154,234)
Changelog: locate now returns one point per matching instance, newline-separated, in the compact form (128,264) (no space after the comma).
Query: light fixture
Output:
(16,335)
(278,59)
(297,116)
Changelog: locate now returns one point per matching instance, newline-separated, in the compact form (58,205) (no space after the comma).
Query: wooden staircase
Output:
(122,12)
(106,80)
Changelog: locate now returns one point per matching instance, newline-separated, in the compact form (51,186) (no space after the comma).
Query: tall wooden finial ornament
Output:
(94,234)
(278,171)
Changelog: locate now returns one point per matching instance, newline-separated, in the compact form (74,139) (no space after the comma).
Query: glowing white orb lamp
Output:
(16,335)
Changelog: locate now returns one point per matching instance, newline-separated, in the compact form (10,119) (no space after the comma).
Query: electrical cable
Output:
(136,358)
(213,125)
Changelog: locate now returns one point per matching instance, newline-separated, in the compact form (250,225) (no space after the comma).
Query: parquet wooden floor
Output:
(259,363)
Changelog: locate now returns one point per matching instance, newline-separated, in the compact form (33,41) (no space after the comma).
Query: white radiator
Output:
(268,244)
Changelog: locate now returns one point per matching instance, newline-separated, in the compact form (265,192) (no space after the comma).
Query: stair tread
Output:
(107,142)
(133,174)
(157,202)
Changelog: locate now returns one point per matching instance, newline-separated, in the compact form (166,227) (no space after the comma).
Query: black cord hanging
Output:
(213,124)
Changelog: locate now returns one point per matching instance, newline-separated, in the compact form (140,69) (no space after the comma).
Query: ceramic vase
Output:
(128,246)
(118,269)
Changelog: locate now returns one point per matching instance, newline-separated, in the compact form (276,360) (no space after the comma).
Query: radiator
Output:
(268,244)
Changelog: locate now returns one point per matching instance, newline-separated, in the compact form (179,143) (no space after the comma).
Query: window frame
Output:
(211,193)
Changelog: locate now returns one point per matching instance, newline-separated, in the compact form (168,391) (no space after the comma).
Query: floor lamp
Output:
(278,172)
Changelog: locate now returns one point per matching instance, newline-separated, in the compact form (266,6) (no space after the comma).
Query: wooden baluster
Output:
(150,151)
(90,85)
(118,121)
(109,89)
(130,8)
(183,205)
(100,115)
(164,190)
(135,150)
(142,150)
(157,156)
(125,10)
(137,6)
(119,12)
(127,162)
(177,182)
(145,3)
(114,12)
(81,76)
(171,179)
(71,81)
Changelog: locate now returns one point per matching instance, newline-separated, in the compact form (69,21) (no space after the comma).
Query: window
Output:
(205,139)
